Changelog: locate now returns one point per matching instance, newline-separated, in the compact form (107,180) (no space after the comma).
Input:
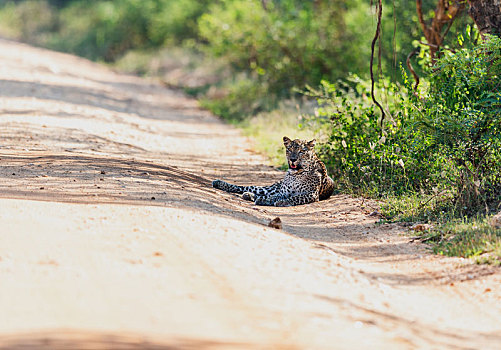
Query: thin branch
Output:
(421,205)
(394,41)
(456,13)
(409,65)
(449,25)
(376,36)
(437,47)
(419,9)
(428,44)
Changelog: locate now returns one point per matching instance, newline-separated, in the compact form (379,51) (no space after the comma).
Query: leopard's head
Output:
(300,153)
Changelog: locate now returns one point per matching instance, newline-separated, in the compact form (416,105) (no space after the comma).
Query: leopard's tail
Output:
(257,190)
(222,185)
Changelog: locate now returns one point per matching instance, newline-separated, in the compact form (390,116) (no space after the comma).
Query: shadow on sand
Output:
(80,340)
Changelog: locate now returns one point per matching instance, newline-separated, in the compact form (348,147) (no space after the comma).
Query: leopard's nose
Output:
(293,160)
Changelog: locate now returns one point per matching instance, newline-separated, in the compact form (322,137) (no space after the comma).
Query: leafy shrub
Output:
(288,43)
(358,155)
(443,144)
(104,30)
(175,21)
(459,122)
(30,21)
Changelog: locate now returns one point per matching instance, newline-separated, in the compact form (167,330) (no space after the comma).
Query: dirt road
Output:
(112,237)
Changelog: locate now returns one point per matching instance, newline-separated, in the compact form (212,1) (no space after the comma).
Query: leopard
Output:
(306,180)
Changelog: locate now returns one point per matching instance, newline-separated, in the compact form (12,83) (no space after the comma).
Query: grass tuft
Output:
(467,238)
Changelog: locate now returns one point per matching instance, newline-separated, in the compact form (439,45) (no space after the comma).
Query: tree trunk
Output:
(487,16)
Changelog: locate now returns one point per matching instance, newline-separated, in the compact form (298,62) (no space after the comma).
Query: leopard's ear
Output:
(311,144)
(287,141)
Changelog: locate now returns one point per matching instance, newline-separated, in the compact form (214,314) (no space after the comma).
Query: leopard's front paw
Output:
(249,196)
(281,203)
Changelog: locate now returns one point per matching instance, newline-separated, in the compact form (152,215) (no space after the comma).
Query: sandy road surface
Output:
(111,236)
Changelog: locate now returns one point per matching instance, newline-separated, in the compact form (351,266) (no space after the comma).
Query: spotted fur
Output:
(306,181)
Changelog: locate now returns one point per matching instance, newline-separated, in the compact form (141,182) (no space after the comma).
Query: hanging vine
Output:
(379,9)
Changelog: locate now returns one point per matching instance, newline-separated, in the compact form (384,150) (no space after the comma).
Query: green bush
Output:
(288,43)
(359,156)
(175,21)
(443,144)
(107,29)
(103,30)
(459,122)
(29,21)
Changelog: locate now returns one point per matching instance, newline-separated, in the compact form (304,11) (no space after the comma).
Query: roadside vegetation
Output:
(301,68)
